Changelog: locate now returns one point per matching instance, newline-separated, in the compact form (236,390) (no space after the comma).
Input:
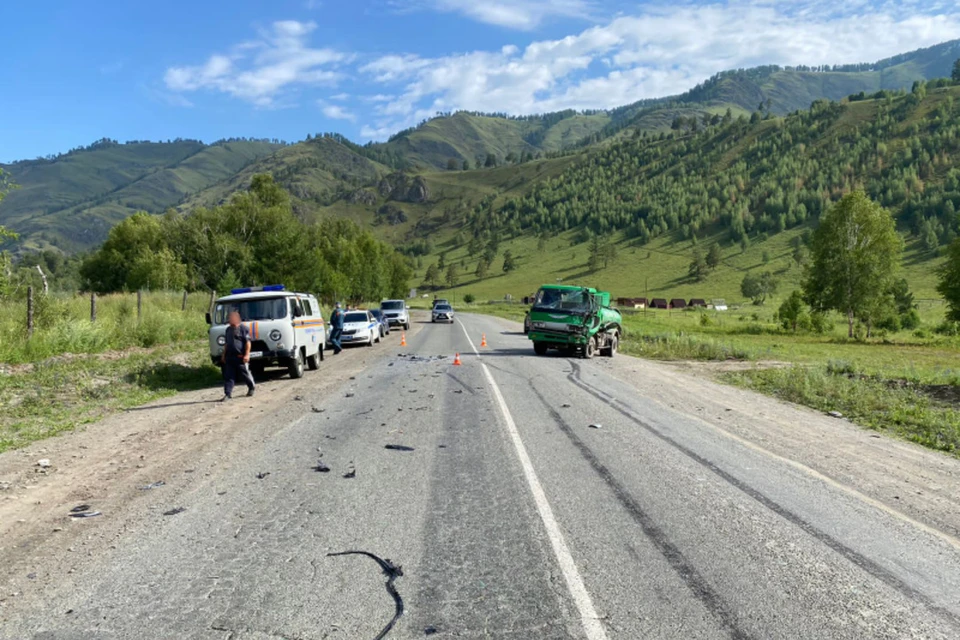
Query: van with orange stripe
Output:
(286,328)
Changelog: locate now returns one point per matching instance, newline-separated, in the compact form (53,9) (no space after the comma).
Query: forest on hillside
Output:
(749,177)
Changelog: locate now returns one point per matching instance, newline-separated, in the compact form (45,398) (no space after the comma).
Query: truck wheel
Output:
(540,348)
(610,350)
(589,349)
(296,365)
(313,362)
(323,347)
(256,369)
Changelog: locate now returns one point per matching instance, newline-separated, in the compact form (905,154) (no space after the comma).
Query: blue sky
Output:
(75,72)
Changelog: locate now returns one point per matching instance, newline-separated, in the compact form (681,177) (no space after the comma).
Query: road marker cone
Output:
(456,361)
(483,342)
(403,339)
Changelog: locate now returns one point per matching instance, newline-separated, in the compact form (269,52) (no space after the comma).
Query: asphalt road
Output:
(511,518)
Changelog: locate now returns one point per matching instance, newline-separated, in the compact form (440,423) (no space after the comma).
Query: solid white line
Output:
(592,626)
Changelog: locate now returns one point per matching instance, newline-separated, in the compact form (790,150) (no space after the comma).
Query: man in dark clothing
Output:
(235,360)
(336,329)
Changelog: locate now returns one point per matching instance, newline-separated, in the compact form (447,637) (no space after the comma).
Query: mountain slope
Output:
(71,201)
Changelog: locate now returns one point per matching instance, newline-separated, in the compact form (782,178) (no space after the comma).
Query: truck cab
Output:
(286,328)
(574,320)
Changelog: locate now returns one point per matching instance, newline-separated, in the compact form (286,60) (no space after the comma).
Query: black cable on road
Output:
(392,571)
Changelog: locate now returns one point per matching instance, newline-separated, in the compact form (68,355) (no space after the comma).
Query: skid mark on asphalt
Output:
(692,578)
(856,558)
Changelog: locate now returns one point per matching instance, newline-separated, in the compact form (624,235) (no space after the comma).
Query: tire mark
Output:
(860,560)
(693,579)
(392,571)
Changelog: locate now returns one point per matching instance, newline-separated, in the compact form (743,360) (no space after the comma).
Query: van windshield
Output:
(252,310)
(562,300)
(392,305)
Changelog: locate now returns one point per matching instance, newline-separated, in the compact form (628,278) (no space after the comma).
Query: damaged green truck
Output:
(574,320)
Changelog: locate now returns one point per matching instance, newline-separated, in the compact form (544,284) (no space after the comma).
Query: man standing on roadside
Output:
(236,357)
(336,329)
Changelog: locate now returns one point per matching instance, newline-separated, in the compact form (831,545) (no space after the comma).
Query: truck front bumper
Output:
(557,337)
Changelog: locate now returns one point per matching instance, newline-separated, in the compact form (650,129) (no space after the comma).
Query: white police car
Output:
(360,327)
(286,328)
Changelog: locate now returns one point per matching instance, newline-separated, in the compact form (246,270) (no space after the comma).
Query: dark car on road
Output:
(384,323)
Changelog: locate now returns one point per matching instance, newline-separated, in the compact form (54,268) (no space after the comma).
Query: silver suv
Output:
(396,313)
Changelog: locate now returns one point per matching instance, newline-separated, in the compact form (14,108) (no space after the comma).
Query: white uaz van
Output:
(286,328)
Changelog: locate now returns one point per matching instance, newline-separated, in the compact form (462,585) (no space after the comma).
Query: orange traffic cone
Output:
(403,339)
(483,342)
(456,361)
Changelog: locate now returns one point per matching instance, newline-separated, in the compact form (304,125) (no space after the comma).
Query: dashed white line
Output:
(592,626)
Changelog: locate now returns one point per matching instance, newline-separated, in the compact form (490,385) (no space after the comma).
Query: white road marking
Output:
(592,626)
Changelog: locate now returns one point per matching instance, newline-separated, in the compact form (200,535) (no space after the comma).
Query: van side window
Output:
(294,305)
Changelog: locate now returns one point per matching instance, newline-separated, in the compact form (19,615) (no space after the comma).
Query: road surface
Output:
(533,498)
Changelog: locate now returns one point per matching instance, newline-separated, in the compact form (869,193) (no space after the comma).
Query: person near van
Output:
(235,360)
(336,329)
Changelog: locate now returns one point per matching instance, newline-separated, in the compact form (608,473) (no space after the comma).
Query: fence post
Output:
(93,306)
(139,304)
(183,305)
(29,312)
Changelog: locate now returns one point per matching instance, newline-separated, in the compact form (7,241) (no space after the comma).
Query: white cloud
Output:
(513,14)
(336,112)
(259,70)
(664,50)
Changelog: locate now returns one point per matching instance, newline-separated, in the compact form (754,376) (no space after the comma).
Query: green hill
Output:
(751,185)
(72,200)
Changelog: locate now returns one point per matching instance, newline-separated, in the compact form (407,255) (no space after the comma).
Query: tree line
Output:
(255,239)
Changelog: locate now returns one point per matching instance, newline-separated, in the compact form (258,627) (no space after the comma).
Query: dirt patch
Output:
(726,366)
(107,466)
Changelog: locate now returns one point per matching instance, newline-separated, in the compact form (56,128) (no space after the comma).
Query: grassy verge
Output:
(62,394)
(874,403)
(907,384)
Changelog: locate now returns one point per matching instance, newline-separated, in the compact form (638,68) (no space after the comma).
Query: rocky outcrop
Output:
(402,188)
(362,196)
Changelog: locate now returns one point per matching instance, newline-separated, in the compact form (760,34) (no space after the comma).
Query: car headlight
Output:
(275,335)
(539,325)
(221,340)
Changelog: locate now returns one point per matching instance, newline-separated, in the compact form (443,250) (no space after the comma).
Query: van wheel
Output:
(540,348)
(314,361)
(296,366)
(256,369)
(323,347)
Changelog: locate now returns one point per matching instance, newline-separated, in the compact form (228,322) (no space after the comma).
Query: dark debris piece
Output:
(321,468)
(86,514)
(352,473)
(262,475)
(174,512)
(153,485)
(79,508)
(398,447)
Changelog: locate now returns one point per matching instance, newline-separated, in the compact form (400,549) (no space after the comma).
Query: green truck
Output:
(574,320)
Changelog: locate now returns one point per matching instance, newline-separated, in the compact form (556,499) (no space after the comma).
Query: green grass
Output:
(63,394)
(63,324)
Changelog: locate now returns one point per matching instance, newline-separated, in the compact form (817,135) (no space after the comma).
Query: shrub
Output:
(469,298)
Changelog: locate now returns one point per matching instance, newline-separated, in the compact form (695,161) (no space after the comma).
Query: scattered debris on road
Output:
(317,410)
(83,511)
(565,405)
(349,395)
(153,485)
(834,414)
(351,473)
(398,447)
(44,464)
(173,512)
(321,468)
(392,571)
(263,474)
(596,426)
(79,508)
